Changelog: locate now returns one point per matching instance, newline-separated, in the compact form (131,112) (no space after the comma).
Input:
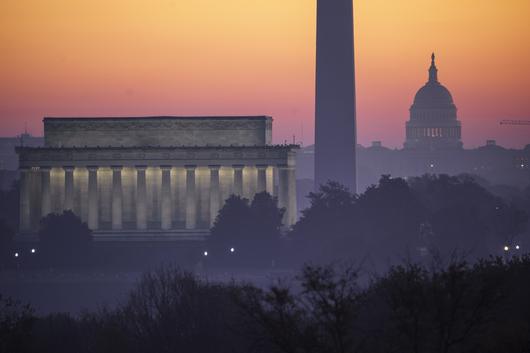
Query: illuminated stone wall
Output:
(158,131)
(150,193)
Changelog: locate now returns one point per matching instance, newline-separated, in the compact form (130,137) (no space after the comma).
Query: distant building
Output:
(153,178)
(496,164)
(9,158)
(433,146)
(433,123)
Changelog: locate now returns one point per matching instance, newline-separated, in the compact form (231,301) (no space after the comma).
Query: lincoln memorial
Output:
(152,178)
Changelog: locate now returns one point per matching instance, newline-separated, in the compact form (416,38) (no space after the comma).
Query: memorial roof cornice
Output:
(154,148)
(161,117)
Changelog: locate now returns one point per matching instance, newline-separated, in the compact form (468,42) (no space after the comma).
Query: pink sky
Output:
(205,57)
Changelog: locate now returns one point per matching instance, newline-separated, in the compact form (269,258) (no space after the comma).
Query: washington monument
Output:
(335,130)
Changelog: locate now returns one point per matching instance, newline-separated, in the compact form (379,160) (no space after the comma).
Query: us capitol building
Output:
(152,178)
(433,145)
(433,120)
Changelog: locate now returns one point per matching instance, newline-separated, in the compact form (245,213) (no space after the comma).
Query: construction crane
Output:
(515,122)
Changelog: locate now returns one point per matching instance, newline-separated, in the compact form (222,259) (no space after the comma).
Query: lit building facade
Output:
(155,178)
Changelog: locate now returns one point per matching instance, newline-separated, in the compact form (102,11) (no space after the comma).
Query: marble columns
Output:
(166,221)
(93,207)
(287,193)
(262,178)
(191,197)
(238,179)
(215,193)
(141,198)
(46,202)
(68,188)
(117,205)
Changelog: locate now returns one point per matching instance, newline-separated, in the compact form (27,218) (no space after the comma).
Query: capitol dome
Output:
(433,95)
(433,120)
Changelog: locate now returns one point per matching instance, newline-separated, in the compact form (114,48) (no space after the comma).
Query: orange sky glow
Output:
(212,57)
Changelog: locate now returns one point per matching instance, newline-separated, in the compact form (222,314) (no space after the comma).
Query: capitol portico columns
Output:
(215,193)
(141,197)
(116,198)
(166,221)
(191,200)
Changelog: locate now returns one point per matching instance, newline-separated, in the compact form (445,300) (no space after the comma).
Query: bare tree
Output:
(320,316)
(442,309)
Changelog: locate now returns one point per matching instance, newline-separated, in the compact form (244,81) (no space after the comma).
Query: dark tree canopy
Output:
(247,233)
(64,238)
(398,218)
(326,224)
(440,308)
(266,217)
(16,320)
(6,242)
(465,216)
(173,311)
(233,221)
(9,206)
(389,216)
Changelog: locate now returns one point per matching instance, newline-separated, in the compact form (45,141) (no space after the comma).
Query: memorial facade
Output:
(154,178)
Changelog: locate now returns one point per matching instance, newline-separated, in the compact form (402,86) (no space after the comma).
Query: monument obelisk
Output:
(335,128)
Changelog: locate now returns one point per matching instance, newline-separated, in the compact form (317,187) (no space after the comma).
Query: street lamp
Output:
(232,250)
(517,247)
(17,254)
(33,251)
(205,253)
(506,248)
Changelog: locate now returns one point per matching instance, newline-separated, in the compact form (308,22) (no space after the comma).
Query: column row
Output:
(33,207)
(116,211)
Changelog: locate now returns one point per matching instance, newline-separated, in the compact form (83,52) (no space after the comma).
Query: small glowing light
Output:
(506,248)
(432,165)
(33,251)
(205,253)
(16,254)
(517,247)
(522,165)
(232,249)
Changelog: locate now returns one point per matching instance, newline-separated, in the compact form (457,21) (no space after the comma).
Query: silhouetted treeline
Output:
(419,217)
(64,240)
(246,233)
(9,210)
(453,307)
(415,218)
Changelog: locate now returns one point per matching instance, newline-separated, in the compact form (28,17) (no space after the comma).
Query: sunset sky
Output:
(213,57)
